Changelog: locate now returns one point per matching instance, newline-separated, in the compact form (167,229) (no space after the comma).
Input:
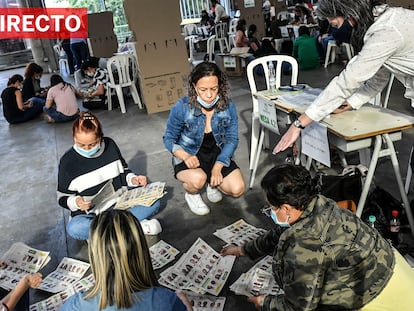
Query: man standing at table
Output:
(383,41)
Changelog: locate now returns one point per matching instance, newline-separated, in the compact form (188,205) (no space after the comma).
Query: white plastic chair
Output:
(63,60)
(331,52)
(256,144)
(190,41)
(220,30)
(210,52)
(123,72)
(190,29)
(232,32)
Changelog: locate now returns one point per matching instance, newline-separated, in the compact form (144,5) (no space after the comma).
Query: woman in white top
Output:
(383,40)
(61,103)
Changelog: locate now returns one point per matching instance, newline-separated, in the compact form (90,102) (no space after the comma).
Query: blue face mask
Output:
(206,105)
(87,153)
(283,224)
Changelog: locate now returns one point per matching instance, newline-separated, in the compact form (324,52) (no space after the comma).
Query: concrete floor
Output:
(29,166)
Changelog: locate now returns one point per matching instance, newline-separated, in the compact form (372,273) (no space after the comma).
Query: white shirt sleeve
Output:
(354,82)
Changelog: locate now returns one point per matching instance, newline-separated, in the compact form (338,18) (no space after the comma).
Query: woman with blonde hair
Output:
(121,264)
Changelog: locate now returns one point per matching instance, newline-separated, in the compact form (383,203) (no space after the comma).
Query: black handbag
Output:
(343,187)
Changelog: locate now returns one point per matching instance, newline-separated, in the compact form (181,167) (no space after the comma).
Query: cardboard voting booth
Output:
(161,51)
(102,40)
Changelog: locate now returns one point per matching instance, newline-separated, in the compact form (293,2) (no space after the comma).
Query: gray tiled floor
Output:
(29,162)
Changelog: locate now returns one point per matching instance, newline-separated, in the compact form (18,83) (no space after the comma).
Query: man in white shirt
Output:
(384,43)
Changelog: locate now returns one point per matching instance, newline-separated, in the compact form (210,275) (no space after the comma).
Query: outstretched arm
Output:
(29,280)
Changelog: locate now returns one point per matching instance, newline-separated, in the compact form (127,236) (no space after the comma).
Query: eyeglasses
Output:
(268,208)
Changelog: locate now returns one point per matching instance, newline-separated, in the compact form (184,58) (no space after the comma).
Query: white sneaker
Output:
(151,227)
(196,204)
(213,194)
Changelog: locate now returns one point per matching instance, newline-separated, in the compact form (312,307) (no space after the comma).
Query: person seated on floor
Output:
(92,167)
(305,50)
(61,102)
(96,95)
(202,135)
(121,265)
(10,301)
(15,110)
(31,84)
(241,40)
(324,256)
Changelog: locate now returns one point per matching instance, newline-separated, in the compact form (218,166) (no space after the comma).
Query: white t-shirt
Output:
(388,48)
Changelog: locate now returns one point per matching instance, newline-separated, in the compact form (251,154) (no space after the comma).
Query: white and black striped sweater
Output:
(82,176)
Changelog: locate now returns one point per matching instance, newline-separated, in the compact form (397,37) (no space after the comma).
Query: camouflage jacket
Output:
(328,260)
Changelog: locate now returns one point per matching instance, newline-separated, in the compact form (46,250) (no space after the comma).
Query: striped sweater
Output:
(81,176)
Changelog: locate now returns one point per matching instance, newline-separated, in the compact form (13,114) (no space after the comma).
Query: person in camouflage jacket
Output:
(326,258)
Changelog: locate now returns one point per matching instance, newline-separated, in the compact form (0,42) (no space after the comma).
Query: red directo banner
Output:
(41,23)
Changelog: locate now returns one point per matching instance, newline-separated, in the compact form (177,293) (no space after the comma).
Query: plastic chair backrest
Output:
(210,48)
(59,50)
(190,29)
(122,69)
(233,25)
(278,61)
(220,30)
(283,15)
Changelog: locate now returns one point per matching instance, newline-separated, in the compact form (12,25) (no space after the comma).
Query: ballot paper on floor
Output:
(200,269)
(162,253)
(68,272)
(55,302)
(258,280)
(145,196)
(205,302)
(239,233)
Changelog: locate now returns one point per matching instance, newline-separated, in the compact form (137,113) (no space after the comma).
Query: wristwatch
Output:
(298,124)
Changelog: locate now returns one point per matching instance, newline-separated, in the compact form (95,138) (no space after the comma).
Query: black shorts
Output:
(207,156)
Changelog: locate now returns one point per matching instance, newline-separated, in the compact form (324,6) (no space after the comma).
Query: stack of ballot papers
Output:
(145,196)
(201,270)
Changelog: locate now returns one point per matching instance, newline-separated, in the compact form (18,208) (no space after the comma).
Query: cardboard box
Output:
(251,11)
(163,91)
(161,52)
(102,40)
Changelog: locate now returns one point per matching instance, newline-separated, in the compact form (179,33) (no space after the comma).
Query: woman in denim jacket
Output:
(202,135)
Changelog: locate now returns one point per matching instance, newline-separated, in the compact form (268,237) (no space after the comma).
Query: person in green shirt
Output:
(305,50)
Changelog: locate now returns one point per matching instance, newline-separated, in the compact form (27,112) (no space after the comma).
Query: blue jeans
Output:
(78,226)
(30,113)
(58,116)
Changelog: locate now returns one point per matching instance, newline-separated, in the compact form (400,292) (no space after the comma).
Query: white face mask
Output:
(283,224)
(207,105)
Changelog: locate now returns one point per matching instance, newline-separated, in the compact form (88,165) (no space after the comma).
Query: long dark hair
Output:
(358,10)
(14,78)
(289,184)
(207,69)
(56,79)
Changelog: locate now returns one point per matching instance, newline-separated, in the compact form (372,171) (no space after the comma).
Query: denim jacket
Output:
(185,130)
